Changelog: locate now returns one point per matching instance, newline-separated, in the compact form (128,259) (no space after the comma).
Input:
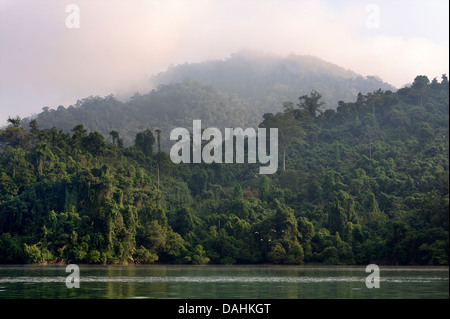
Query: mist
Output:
(119,45)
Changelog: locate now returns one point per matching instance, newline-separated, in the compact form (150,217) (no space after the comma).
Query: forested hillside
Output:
(172,105)
(265,81)
(233,92)
(365,183)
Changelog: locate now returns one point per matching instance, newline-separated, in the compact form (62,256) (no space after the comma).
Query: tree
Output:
(79,132)
(444,81)
(370,132)
(419,88)
(306,229)
(277,254)
(185,220)
(158,136)
(264,187)
(34,127)
(289,130)
(199,256)
(311,103)
(114,135)
(144,141)
(94,142)
(341,209)
(14,121)
(374,98)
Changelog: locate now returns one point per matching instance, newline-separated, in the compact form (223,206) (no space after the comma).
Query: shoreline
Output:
(304,266)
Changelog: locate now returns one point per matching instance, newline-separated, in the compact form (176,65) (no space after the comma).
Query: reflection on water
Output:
(230,282)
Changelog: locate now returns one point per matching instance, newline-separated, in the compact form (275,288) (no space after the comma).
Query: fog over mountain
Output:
(266,81)
(118,45)
(234,92)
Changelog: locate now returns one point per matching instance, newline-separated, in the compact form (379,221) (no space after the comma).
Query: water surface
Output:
(228,282)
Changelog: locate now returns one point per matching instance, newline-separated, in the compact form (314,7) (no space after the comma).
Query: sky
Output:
(54,52)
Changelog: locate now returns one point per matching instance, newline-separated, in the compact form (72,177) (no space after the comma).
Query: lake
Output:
(225,282)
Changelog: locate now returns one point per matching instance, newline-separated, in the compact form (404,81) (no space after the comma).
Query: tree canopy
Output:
(365,183)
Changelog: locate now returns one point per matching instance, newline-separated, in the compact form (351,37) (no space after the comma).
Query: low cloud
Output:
(120,43)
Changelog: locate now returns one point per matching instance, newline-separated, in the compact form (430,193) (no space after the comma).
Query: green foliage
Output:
(144,141)
(367,183)
(199,256)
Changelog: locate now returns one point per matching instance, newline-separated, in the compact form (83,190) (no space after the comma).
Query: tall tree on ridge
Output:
(289,130)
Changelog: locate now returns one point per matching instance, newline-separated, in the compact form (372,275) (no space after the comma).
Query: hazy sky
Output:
(120,43)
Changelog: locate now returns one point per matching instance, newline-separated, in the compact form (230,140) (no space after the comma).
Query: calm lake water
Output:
(228,282)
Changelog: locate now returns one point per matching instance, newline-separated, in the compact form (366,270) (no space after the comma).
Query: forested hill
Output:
(265,81)
(235,92)
(367,183)
(169,106)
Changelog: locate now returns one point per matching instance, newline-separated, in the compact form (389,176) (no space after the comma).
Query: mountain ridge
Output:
(293,75)
(233,92)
